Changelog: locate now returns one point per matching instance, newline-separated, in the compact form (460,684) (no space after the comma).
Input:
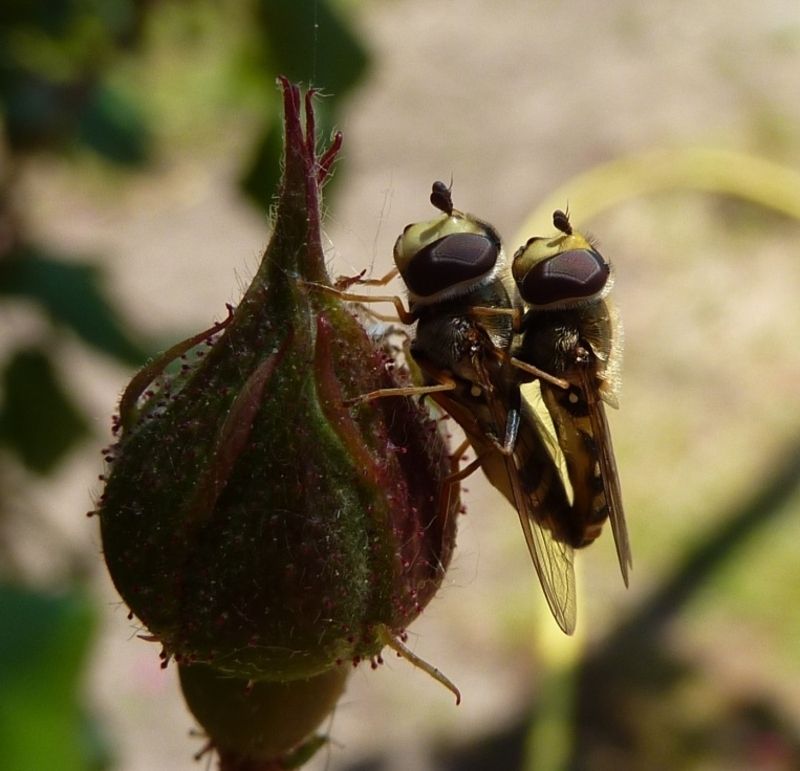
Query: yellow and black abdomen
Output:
(556,343)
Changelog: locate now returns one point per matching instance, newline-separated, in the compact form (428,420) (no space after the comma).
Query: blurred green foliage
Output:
(74,77)
(70,293)
(308,43)
(42,656)
(38,421)
(52,59)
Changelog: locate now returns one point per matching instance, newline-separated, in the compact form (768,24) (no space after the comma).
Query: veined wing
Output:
(541,503)
(530,481)
(609,474)
(579,418)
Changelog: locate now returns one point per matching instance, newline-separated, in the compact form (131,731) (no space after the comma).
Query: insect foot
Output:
(261,530)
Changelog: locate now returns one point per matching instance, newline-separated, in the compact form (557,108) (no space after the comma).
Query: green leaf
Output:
(307,42)
(71,294)
(260,181)
(44,642)
(114,127)
(312,44)
(38,421)
(36,111)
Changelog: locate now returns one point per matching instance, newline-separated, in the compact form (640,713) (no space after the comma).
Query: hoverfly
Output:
(572,332)
(464,302)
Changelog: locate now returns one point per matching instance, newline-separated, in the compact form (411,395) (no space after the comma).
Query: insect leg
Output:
(506,447)
(385,317)
(458,474)
(482,311)
(345,282)
(448,385)
(406,316)
(453,479)
(539,373)
(512,428)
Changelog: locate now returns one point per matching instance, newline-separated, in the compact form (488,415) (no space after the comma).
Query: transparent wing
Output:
(528,478)
(609,474)
(537,508)
(546,427)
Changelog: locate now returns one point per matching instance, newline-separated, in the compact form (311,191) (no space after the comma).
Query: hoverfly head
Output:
(566,271)
(446,256)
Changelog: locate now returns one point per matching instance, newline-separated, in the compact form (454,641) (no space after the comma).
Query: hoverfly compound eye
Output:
(444,257)
(567,278)
(451,260)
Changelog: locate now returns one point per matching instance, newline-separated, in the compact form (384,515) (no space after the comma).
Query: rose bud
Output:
(258,518)
(264,725)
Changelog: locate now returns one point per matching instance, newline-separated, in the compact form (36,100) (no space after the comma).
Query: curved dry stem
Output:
(711,170)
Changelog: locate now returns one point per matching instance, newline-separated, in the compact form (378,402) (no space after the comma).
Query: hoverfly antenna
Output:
(442,198)
(561,221)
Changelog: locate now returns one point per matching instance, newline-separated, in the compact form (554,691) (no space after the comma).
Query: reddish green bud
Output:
(261,726)
(253,519)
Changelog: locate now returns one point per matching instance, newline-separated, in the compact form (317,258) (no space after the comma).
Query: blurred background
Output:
(137,168)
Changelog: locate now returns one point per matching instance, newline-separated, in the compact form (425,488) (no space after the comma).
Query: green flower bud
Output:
(254,520)
(264,725)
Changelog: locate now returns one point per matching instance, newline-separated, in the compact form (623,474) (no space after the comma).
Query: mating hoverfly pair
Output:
(483,331)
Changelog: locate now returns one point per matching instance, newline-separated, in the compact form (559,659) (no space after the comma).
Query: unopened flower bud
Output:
(262,725)
(255,519)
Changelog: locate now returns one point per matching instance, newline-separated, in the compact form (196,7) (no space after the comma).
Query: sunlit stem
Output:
(713,170)
(453,480)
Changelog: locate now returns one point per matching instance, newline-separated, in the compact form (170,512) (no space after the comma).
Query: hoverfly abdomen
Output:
(573,401)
